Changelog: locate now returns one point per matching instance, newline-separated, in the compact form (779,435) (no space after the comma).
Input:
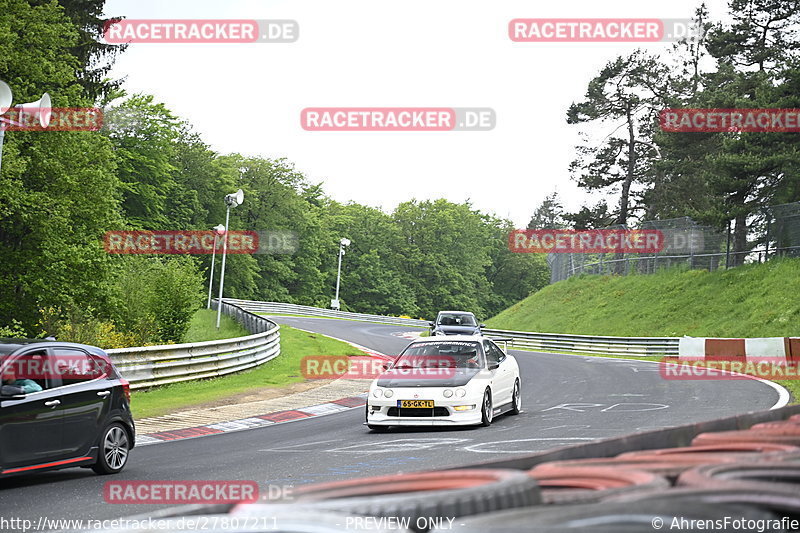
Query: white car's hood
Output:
(427,377)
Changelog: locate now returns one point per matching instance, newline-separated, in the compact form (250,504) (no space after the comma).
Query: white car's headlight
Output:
(447,393)
(388,393)
(377,393)
(461,393)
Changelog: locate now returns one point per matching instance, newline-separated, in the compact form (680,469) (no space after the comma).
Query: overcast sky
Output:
(247,98)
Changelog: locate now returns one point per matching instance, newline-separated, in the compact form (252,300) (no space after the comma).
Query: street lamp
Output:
(342,243)
(40,109)
(218,230)
(231,200)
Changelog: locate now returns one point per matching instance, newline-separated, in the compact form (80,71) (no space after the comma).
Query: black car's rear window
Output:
(452,319)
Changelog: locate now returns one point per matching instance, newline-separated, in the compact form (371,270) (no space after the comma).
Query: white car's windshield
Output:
(450,354)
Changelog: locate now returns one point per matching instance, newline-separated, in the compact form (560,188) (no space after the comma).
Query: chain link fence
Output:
(775,231)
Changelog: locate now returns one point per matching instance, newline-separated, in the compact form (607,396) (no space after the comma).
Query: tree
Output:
(629,89)
(58,190)
(96,56)
(549,214)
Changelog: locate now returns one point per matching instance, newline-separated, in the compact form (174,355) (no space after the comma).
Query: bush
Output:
(154,298)
(82,327)
(14,330)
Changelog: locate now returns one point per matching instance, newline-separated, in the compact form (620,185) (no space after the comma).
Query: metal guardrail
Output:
(588,344)
(551,342)
(305,310)
(147,366)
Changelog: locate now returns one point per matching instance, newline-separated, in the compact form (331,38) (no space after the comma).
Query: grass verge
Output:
(280,372)
(203,327)
(749,301)
(756,300)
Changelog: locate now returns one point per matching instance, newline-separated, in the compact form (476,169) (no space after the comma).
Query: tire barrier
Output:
(666,466)
(686,456)
(726,472)
(420,500)
(776,476)
(793,424)
(736,448)
(780,502)
(584,484)
(611,517)
(748,435)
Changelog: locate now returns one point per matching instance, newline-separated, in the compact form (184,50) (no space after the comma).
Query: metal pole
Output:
(211,277)
(222,273)
(2,136)
(339,273)
(728,248)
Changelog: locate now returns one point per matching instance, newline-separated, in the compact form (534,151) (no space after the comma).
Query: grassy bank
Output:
(280,372)
(748,301)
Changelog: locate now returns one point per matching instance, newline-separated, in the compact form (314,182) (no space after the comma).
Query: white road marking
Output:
(398,445)
(476,448)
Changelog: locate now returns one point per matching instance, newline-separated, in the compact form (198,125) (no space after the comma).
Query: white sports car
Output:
(445,381)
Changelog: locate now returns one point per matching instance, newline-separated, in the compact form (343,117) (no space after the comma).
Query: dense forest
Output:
(147,169)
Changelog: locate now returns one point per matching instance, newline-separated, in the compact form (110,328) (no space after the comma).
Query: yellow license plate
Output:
(405,404)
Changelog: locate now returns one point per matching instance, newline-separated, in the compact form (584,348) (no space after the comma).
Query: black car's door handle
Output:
(53,403)
(104,393)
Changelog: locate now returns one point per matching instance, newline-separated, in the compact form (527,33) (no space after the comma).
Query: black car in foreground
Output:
(62,405)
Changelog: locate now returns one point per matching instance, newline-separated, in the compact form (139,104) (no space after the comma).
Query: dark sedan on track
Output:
(455,323)
(62,405)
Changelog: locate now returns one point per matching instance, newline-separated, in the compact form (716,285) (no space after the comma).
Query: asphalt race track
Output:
(566,400)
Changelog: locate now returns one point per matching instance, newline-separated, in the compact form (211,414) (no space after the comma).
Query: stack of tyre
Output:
(745,480)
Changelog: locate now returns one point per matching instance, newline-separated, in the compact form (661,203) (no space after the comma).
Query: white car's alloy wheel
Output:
(486,409)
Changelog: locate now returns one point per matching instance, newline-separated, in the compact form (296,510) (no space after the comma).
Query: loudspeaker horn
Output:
(5,97)
(40,109)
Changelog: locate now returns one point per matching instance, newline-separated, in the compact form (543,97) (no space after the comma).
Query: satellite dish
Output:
(5,97)
(40,109)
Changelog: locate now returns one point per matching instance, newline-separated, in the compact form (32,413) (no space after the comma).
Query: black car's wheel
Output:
(112,455)
(486,409)
(516,400)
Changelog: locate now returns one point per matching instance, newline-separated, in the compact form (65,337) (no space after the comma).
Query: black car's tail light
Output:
(126,388)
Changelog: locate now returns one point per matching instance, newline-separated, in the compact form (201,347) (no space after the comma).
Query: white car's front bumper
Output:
(385,412)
